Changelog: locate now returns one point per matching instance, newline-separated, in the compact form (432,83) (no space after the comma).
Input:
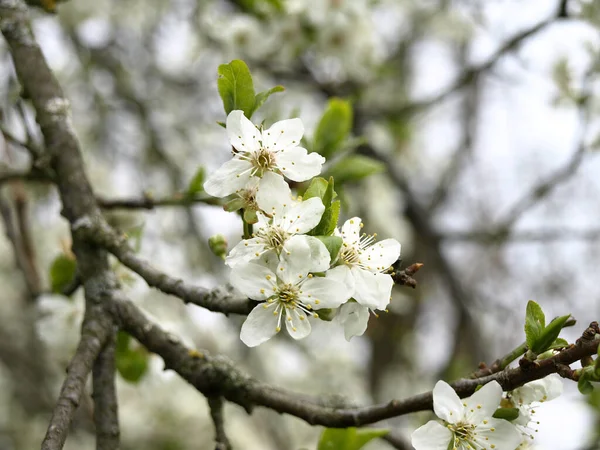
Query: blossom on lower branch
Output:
(288,297)
(467,424)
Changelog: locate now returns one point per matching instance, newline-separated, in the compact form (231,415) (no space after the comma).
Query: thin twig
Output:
(106,415)
(216,413)
(148,202)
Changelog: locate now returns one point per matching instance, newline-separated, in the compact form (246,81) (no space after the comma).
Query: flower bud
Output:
(218,245)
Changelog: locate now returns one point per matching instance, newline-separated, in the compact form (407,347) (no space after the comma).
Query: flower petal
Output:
(229,178)
(242,133)
(354,318)
(446,403)
(431,436)
(343,274)
(483,403)
(245,251)
(539,390)
(283,134)
(497,433)
(294,263)
(297,323)
(372,290)
(321,293)
(303,216)
(351,231)
(260,325)
(381,255)
(273,193)
(319,255)
(253,279)
(296,164)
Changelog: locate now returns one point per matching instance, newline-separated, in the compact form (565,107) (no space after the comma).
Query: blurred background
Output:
(474,142)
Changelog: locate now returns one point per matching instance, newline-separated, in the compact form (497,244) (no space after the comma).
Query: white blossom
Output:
(360,264)
(527,398)
(468,423)
(257,153)
(288,297)
(284,232)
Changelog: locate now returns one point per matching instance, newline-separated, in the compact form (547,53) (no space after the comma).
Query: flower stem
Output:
(248,230)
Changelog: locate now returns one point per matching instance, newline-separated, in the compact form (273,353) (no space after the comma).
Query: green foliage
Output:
(331,214)
(584,383)
(262,97)
(333,244)
(236,89)
(132,363)
(538,336)
(62,272)
(355,167)
(509,414)
(348,438)
(333,128)
(196,186)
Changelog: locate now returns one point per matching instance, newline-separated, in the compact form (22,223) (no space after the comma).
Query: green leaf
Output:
(549,334)
(509,414)
(535,321)
(236,87)
(196,186)
(583,384)
(354,168)
(317,188)
(333,244)
(348,438)
(123,340)
(62,272)
(330,216)
(558,344)
(333,128)
(262,97)
(132,364)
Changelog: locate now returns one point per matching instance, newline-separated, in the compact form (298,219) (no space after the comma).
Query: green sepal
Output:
(218,245)
(236,87)
(509,414)
(355,167)
(326,314)
(333,128)
(250,216)
(234,205)
(62,272)
(348,438)
(333,245)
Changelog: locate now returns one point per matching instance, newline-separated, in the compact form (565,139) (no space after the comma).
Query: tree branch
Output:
(217,376)
(106,415)
(148,202)
(216,413)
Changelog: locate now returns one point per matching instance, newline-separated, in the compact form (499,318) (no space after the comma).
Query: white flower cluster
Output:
(469,423)
(291,273)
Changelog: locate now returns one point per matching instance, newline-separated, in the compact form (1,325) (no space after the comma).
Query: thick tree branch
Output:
(216,376)
(106,415)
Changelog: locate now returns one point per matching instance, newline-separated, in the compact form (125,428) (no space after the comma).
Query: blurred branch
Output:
(32,175)
(397,441)
(106,416)
(216,413)
(491,237)
(217,376)
(9,137)
(149,202)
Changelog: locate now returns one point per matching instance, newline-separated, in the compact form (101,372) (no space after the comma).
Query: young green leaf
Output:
(354,168)
(196,186)
(535,322)
(333,244)
(333,128)
(262,97)
(583,384)
(348,438)
(549,334)
(62,272)
(236,87)
(559,343)
(317,188)
(132,365)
